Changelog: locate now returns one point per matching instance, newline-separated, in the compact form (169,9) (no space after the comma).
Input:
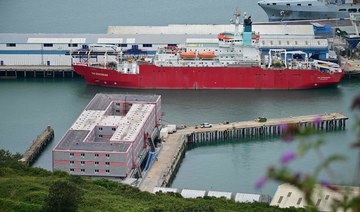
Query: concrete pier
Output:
(163,170)
(14,72)
(37,146)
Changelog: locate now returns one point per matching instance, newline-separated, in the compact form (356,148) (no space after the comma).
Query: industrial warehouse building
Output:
(111,136)
(57,49)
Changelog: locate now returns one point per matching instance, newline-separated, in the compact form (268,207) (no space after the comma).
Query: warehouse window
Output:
(11,45)
(48,45)
(147,45)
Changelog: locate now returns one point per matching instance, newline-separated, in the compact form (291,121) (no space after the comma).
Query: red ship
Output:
(236,63)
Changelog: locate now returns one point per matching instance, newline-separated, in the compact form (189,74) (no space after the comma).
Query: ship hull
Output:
(318,10)
(154,77)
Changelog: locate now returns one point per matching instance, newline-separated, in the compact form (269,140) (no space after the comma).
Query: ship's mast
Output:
(237,22)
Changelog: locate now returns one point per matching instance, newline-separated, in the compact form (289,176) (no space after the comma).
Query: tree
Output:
(63,196)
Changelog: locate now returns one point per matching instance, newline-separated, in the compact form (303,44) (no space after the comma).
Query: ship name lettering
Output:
(99,74)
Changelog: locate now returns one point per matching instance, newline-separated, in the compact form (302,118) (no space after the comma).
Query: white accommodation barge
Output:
(111,137)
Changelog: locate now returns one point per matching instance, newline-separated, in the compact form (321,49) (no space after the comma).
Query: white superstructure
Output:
(284,10)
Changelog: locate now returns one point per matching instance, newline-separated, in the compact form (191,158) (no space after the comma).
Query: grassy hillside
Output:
(23,188)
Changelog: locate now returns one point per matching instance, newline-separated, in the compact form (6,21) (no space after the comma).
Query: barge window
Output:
(352,10)
(273,3)
(107,171)
(82,154)
(11,45)
(71,170)
(96,170)
(96,155)
(122,45)
(147,45)
(107,155)
(172,44)
(298,4)
(309,4)
(72,45)
(342,10)
(82,170)
(96,162)
(107,163)
(48,45)
(287,4)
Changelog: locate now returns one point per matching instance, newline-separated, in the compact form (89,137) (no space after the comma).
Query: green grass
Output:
(24,188)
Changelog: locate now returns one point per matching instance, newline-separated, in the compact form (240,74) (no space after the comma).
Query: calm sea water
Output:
(28,106)
(94,16)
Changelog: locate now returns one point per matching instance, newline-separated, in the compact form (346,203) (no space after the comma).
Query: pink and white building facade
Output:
(109,138)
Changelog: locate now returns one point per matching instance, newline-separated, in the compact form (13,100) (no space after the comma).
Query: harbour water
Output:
(92,16)
(29,105)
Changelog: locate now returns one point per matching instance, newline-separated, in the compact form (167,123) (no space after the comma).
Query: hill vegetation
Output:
(23,188)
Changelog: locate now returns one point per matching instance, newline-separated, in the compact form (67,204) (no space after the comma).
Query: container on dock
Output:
(164,132)
(171,128)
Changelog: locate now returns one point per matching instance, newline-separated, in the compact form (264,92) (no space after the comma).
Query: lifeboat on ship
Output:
(206,55)
(188,55)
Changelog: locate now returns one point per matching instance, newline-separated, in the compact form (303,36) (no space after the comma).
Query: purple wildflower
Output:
(288,138)
(356,103)
(260,182)
(287,157)
(283,127)
(324,183)
(328,185)
(317,120)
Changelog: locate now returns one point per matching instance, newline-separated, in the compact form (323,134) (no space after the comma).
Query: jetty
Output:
(173,149)
(39,71)
(38,145)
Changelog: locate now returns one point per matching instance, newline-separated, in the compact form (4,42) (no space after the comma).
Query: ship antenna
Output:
(237,21)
